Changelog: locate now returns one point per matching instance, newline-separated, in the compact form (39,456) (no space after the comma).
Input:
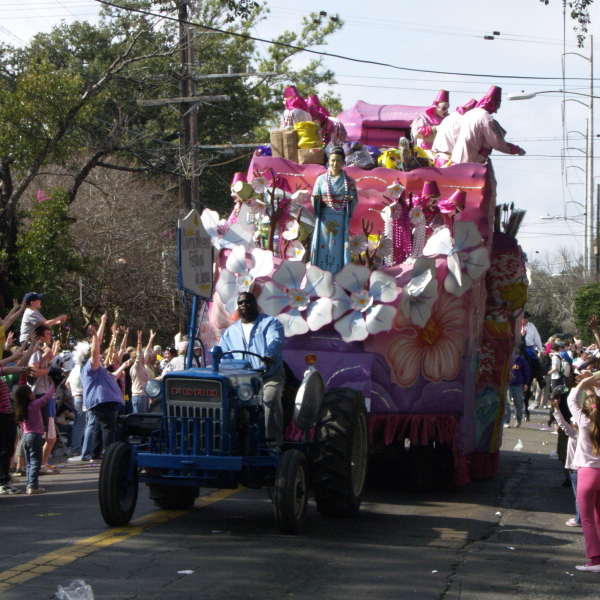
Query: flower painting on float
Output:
(370,312)
(238,276)
(435,349)
(468,259)
(303,302)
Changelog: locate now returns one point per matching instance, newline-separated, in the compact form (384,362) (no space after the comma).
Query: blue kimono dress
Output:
(330,249)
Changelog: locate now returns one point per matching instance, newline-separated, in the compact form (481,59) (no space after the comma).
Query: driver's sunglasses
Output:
(240,302)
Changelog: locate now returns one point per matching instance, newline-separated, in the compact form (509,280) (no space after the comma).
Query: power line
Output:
(330,55)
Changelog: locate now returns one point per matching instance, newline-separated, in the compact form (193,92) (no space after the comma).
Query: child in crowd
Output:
(29,414)
(587,460)
(571,432)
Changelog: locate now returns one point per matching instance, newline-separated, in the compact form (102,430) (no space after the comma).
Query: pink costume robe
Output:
(445,138)
(479,134)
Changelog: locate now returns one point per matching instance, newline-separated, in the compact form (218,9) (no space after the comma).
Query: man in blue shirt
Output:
(263,335)
(102,398)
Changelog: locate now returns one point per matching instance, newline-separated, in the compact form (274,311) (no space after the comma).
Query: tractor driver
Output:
(256,332)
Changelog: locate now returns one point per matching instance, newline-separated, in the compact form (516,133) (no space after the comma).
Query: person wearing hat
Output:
(334,198)
(447,134)
(32,317)
(296,109)
(332,131)
(424,127)
(480,133)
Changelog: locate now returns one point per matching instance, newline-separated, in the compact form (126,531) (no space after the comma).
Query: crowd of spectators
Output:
(74,395)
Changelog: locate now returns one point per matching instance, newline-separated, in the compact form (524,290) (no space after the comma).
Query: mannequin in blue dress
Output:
(334,200)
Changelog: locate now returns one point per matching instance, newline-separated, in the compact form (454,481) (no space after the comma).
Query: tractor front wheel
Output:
(118,485)
(291,492)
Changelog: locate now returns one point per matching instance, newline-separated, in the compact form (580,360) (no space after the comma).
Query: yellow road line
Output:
(64,556)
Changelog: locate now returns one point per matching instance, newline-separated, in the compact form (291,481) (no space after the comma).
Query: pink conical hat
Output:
(316,109)
(443,96)
(495,93)
(459,198)
(471,104)
(430,189)
(467,106)
(239,177)
(291,91)
(313,100)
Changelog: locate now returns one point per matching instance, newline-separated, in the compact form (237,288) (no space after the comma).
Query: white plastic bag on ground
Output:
(78,590)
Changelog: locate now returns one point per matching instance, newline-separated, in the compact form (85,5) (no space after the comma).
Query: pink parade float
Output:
(420,315)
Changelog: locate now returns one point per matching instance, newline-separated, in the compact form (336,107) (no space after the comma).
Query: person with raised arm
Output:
(587,461)
(480,133)
(101,396)
(32,317)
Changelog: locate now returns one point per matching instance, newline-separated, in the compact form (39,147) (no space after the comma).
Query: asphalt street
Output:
(495,539)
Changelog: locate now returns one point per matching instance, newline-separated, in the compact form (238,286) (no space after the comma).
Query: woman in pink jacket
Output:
(587,460)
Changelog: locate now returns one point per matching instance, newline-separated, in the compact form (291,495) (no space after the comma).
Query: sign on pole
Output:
(196,258)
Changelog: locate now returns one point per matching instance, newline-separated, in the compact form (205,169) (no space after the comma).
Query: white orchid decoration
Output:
(260,184)
(238,233)
(358,244)
(365,316)
(295,250)
(238,276)
(394,190)
(304,304)
(292,229)
(421,293)
(416,216)
(382,246)
(467,258)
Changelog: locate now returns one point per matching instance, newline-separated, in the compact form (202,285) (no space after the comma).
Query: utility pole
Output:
(188,111)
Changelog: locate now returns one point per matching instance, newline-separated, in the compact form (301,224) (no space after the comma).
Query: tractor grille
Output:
(190,436)
(194,417)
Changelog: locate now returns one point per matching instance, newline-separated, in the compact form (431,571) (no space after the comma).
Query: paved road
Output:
(495,540)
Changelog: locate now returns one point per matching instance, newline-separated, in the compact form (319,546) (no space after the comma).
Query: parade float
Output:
(422,316)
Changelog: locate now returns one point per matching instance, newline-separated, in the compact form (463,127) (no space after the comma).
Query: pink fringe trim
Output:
(422,429)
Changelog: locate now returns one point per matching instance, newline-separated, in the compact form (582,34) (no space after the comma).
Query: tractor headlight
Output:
(245,392)
(152,388)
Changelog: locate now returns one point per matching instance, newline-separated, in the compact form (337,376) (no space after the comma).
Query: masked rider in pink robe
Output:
(447,134)
(480,132)
(423,128)
(296,109)
(332,131)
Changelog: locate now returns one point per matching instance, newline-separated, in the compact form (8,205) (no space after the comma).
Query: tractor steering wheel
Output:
(246,352)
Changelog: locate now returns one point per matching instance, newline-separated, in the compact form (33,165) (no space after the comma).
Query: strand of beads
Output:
(330,194)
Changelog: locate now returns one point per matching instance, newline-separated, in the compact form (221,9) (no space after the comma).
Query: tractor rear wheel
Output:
(339,466)
(118,485)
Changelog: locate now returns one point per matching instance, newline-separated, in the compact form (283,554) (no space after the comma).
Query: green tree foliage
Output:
(587,303)
(47,255)
(70,116)
(580,13)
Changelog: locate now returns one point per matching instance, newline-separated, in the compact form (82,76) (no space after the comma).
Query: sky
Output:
(437,35)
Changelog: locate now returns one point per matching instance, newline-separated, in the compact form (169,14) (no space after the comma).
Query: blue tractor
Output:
(211,434)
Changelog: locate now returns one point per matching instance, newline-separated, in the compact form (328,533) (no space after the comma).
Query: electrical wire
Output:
(331,55)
